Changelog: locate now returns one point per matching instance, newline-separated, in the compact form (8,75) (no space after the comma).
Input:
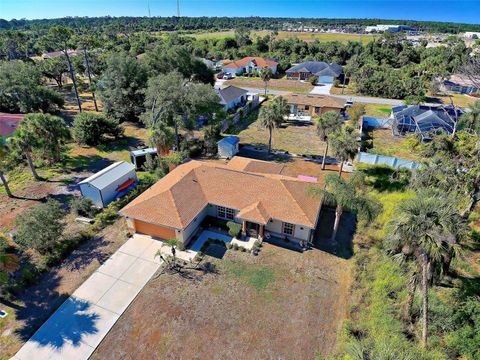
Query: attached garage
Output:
(154,230)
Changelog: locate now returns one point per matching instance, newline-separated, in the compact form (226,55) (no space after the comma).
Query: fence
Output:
(375,159)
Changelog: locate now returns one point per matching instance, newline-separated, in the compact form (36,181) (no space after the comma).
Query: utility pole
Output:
(148,6)
(178,8)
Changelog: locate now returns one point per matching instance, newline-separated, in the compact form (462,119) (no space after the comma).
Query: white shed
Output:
(228,147)
(109,184)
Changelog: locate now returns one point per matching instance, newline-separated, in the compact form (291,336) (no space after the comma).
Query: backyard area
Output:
(239,309)
(383,142)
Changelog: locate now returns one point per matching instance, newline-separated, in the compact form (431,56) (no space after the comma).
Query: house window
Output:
(288,229)
(317,109)
(225,213)
(307,107)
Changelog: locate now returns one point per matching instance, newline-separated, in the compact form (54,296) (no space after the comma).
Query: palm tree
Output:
(327,123)
(272,115)
(266,74)
(427,230)
(25,140)
(3,154)
(347,194)
(471,120)
(162,137)
(345,145)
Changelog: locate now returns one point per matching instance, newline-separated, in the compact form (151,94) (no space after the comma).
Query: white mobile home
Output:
(109,184)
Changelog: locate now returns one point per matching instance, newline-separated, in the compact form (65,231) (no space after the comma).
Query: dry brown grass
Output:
(274,84)
(281,304)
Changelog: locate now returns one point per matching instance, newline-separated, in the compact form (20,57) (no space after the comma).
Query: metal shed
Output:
(109,184)
(228,147)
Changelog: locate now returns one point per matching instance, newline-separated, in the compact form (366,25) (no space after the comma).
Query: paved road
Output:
(363,99)
(84,319)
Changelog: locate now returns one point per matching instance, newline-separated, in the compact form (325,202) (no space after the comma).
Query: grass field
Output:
(323,37)
(280,304)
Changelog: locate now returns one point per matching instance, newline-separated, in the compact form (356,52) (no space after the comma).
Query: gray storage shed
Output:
(109,184)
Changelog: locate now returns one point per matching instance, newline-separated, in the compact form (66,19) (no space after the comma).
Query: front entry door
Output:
(252,229)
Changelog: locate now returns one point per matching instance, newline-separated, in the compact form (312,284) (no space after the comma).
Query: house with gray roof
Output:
(109,184)
(232,96)
(326,73)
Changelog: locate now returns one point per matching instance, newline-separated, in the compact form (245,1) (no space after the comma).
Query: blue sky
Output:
(452,10)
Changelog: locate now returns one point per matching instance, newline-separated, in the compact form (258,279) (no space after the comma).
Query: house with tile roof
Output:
(249,65)
(302,104)
(264,203)
(326,73)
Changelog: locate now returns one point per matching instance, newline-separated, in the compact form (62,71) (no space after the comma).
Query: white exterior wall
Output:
(90,192)
(301,232)
(109,192)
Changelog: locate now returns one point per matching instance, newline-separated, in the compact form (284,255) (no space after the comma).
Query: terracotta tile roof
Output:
(179,197)
(9,123)
(256,166)
(255,212)
(315,100)
(261,62)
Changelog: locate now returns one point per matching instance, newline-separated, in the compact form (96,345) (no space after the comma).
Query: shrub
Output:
(313,80)
(229,245)
(3,243)
(180,246)
(91,128)
(40,227)
(234,228)
(235,247)
(106,217)
(27,277)
(84,207)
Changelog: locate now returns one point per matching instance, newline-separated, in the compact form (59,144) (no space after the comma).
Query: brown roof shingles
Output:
(180,196)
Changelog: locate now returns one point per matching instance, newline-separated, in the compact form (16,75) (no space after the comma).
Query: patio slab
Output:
(84,319)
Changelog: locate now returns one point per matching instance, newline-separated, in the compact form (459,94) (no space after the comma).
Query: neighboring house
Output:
(139,157)
(54,54)
(313,104)
(460,84)
(228,147)
(232,96)
(326,73)
(472,35)
(209,63)
(249,65)
(177,204)
(8,125)
(109,184)
(424,120)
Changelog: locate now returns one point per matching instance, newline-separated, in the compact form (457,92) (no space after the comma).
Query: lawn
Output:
(383,142)
(378,110)
(306,36)
(274,84)
(280,304)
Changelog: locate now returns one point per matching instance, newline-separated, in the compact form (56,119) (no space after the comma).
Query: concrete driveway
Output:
(84,319)
(322,89)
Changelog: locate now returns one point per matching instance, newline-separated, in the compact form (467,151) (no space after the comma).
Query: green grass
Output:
(258,277)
